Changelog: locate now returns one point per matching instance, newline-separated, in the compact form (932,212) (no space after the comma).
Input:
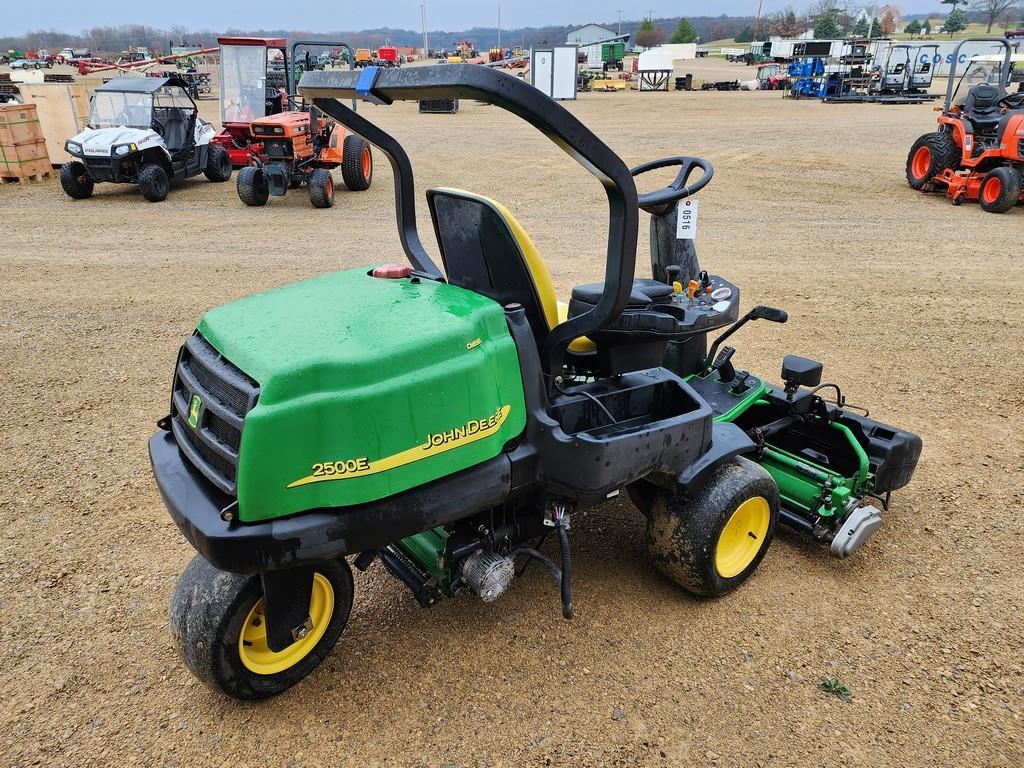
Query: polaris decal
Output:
(434,444)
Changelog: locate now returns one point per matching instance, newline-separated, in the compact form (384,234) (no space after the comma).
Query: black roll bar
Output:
(446,81)
(1004,75)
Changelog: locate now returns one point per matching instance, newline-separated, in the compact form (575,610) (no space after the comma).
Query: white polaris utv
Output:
(145,131)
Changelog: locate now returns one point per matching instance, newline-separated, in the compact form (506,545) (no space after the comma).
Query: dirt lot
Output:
(914,306)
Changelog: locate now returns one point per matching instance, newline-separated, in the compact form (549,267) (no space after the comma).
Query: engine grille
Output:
(278,147)
(225,396)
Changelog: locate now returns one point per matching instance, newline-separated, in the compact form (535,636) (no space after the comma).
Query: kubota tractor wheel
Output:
(218,164)
(75,180)
(321,188)
(931,154)
(252,186)
(356,164)
(711,541)
(218,624)
(153,183)
(1000,190)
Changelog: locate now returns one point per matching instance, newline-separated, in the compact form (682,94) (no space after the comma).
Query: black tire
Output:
(320,186)
(356,164)
(75,180)
(685,533)
(1000,190)
(154,183)
(209,609)
(218,164)
(252,186)
(930,155)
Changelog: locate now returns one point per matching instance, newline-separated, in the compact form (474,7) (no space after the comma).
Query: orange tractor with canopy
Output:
(977,153)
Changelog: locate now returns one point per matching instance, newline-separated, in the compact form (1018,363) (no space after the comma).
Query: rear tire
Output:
(252,186)
(211,609)
(154,183)
(321,188)
(930,155)
(75,179)
(218,164)
(1000,190)
(710,542)
(356,164)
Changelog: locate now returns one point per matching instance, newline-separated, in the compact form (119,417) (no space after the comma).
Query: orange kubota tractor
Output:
(977,153)
(300,146)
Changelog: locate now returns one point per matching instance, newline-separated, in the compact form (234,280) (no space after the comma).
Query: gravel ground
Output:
(914,306)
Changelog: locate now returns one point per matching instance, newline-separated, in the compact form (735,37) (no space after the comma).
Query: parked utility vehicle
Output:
(446,422)
(977,151)
(145,131)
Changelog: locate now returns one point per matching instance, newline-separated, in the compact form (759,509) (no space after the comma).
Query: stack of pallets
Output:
(7,86)
(23,154)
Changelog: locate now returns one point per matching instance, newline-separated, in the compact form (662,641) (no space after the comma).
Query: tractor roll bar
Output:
(445,81)
(1004,75)
(291,68)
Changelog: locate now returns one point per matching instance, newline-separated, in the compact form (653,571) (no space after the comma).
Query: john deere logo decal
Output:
(435,443)
(193,411)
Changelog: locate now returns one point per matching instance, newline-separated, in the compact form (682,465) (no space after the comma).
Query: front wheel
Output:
(218,164)
(711,541)
(929,156)
(320,187)
(75,180)
(154,183)
(1000,190)
(252,186)
(218,623)
(356,164)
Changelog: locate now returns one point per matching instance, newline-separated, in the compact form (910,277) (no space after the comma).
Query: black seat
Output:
(175,127)
(982,106)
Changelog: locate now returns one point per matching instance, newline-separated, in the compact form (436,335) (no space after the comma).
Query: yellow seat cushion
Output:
(580,344)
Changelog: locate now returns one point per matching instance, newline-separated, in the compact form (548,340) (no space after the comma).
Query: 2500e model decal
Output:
(436,442)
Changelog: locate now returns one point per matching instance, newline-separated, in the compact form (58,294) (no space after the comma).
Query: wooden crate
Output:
(63,111)
(24,160)
(18,123)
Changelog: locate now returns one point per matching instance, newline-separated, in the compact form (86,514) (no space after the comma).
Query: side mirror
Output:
(800,372)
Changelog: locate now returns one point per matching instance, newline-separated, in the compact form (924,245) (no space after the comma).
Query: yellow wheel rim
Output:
(742,537)
(252,641)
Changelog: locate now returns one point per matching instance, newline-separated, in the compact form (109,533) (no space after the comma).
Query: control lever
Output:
(760,312)
(675,274)
(722,364)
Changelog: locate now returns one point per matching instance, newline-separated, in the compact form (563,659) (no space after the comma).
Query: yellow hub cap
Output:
(252,642)
(742,537)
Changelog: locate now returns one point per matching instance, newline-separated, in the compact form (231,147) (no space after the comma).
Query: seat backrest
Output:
(485,250)
(982,103)
(175,128)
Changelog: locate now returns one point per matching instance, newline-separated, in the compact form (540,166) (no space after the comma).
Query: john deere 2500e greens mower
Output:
(446,422)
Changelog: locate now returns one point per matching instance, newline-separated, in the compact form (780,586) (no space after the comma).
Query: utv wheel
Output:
(252,186)
(321,188)
(709,543)
(1000,190)
(930,155)
(356,164)
(75,180)
(154,183)
(218,626)
(218,164)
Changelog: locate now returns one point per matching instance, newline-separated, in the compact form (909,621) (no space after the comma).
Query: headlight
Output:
(124,149)
(72,147)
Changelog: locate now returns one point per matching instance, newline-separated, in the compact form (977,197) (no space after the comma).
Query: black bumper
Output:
(195,506)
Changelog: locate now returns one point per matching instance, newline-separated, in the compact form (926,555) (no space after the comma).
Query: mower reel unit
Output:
(977,153)
(450,423)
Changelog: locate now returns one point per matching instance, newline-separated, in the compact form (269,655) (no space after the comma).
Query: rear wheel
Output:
(252,186)
(1000,190)
(930,155)
(75,180)
(321,188)
(218,623)
(154,183)
(356,164)
(218,164)
(710,542)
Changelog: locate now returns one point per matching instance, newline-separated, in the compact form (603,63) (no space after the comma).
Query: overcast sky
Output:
(452,15)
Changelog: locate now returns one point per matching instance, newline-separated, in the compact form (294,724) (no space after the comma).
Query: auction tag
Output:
(686,220)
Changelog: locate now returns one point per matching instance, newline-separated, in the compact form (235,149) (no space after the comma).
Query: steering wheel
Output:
(1013,100)
(660,201)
